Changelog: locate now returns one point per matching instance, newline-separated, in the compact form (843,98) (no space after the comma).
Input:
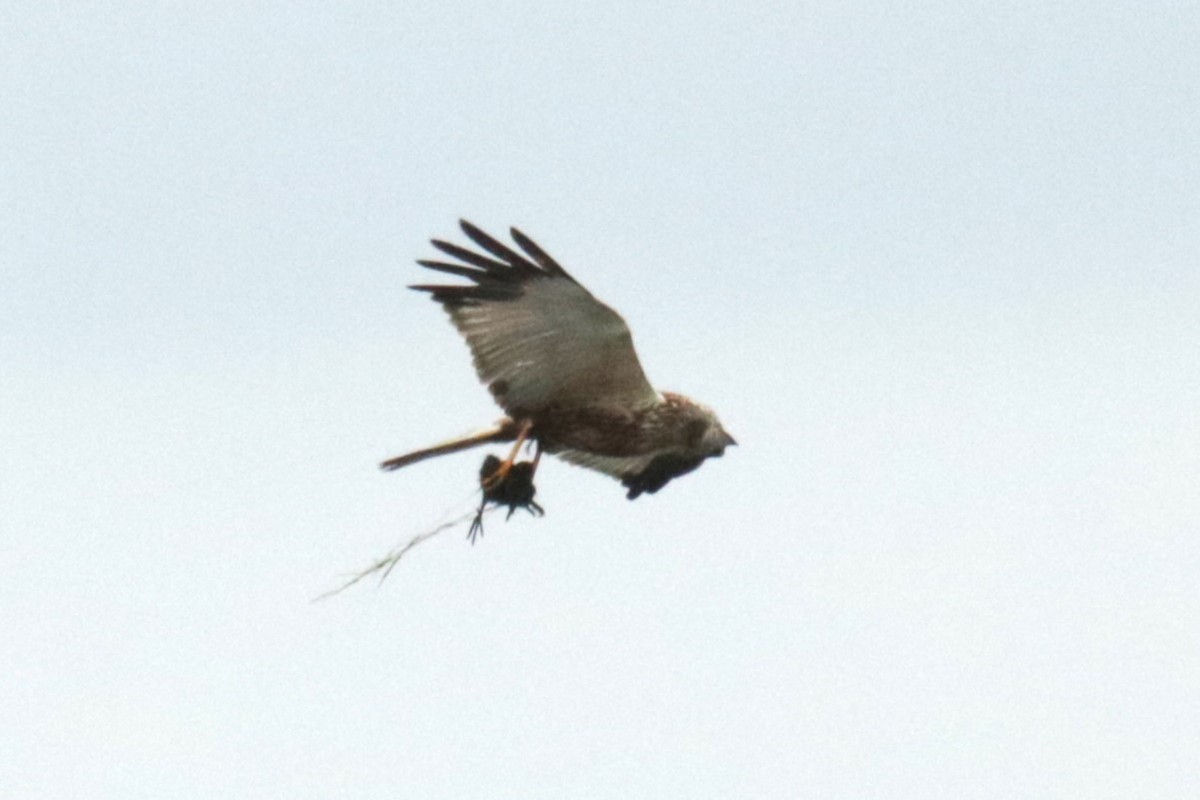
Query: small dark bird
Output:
(562,366)
(514,489)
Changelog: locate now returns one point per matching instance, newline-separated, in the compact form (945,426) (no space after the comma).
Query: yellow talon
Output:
(497,477)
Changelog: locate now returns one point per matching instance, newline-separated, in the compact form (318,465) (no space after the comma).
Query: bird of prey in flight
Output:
(561,365)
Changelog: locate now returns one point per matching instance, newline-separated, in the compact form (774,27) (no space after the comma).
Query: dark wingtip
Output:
(474,274)
(534,250)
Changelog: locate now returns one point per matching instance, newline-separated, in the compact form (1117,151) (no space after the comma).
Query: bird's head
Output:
(708,438)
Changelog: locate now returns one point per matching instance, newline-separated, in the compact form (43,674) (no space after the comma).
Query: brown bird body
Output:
(562,366)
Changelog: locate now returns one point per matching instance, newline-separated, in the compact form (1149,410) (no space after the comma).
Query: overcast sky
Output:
(936,268)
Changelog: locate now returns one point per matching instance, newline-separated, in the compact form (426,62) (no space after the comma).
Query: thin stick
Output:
(386,564)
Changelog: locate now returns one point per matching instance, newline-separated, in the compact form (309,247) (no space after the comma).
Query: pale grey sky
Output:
(935,266)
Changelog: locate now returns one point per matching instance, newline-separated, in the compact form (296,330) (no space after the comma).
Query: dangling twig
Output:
(385,565)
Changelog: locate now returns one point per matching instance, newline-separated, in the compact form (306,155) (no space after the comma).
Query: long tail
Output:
(503,431)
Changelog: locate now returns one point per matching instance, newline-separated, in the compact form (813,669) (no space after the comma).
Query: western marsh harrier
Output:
(562,366)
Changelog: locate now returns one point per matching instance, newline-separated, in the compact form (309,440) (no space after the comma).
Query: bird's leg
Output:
(497,477)
(532,507)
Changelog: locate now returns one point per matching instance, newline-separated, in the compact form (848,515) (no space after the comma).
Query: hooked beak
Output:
(726,440)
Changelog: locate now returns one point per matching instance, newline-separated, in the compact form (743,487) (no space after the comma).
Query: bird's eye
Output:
(695,432)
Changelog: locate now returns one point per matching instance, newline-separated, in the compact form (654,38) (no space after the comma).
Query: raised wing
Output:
(538,338)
